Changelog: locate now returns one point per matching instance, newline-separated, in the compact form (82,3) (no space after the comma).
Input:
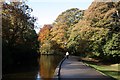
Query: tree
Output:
(18,35)
(64,24)
(111,49)
(98,27)
(57,36)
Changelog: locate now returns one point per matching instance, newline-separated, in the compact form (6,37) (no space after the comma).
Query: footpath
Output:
(73,69)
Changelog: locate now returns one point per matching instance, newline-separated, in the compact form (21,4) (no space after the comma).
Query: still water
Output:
(45,70)
(48,65)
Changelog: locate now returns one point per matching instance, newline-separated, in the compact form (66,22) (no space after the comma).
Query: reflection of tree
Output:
(48,65)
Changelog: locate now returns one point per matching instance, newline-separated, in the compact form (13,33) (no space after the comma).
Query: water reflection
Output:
(48,65)
(38,76)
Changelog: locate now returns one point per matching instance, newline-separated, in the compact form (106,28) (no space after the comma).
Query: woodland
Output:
(94,33)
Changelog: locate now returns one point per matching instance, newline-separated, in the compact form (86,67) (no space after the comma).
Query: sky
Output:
(47,11)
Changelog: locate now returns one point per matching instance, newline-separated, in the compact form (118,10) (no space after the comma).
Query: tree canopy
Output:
(93,32)
(19,39)
(56,36)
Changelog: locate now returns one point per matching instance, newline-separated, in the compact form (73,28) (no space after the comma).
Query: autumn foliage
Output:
(44,32)
(94,32)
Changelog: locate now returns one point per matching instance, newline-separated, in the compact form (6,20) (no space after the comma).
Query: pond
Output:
(45,70)
(48,65)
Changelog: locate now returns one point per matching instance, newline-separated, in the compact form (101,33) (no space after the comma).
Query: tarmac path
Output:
(73,69)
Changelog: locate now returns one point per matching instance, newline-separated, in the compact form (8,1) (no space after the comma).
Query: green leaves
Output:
(113,45)
(60,31)
(69,17)
(93,32)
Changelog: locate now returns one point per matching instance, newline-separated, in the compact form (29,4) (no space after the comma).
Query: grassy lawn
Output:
(112,70)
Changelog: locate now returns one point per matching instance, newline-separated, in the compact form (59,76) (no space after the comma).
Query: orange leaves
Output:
(44,32)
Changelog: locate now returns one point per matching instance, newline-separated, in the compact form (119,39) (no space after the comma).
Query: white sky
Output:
(47,10)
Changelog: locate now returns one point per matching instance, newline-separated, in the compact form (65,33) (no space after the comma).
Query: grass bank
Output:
(112,70)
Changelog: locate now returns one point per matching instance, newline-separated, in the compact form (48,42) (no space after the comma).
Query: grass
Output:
(109,70)
(112,70)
